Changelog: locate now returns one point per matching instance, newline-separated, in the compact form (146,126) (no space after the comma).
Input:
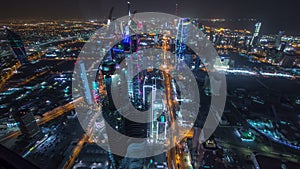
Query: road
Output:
(85,138)
(169,98)
(69,164)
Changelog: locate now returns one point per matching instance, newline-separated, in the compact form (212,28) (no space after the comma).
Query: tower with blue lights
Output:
(181,38)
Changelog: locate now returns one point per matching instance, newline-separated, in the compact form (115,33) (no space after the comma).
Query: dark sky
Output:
(275,14)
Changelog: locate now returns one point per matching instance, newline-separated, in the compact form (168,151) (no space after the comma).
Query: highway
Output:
(30,79)
(69,164)
(173,161)
(169,98)
(85,138)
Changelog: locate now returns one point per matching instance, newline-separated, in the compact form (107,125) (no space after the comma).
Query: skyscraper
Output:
(278,39)
(181,38)
(83,75)
(28,125)
(211,36)
(255,34)
(17,46)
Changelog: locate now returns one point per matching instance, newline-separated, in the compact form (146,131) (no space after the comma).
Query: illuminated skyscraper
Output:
(17,46)
(245,44)
(181,38)
(256,33)
(83,75)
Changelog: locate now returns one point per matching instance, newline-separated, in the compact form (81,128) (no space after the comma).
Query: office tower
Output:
(278,39)
(197,62)
(83,75)
(188,58)
(195,141)
(255,34)
(245,44)
(211,36)
(181,38)
(206,86)
(196,22)
(218,40)
(28,125)
(201,27)
(282,46)
(17,46)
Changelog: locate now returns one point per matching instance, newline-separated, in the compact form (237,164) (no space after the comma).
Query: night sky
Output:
(275,14)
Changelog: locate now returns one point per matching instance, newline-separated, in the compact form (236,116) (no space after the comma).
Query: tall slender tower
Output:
(255,34)
(110,16)
(181,38)
(128,7)
(278,39)
(17,46)
(83,75)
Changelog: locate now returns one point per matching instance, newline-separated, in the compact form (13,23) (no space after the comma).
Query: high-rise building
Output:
(28,125)
(211,36)
(218,39)
(201,27)
(245,44)
(181,38)
(278,39)
(255,34)
(17,46)
(83,75)
(197,62)
(188,58)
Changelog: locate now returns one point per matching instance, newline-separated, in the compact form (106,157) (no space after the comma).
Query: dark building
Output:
(211,36)
(290,61)
(188,59)
(197,62)
(201,27)
(265,162)
(278,39)
(218,40)
(28,125)
(245,45)
(17,46)
(92,156)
